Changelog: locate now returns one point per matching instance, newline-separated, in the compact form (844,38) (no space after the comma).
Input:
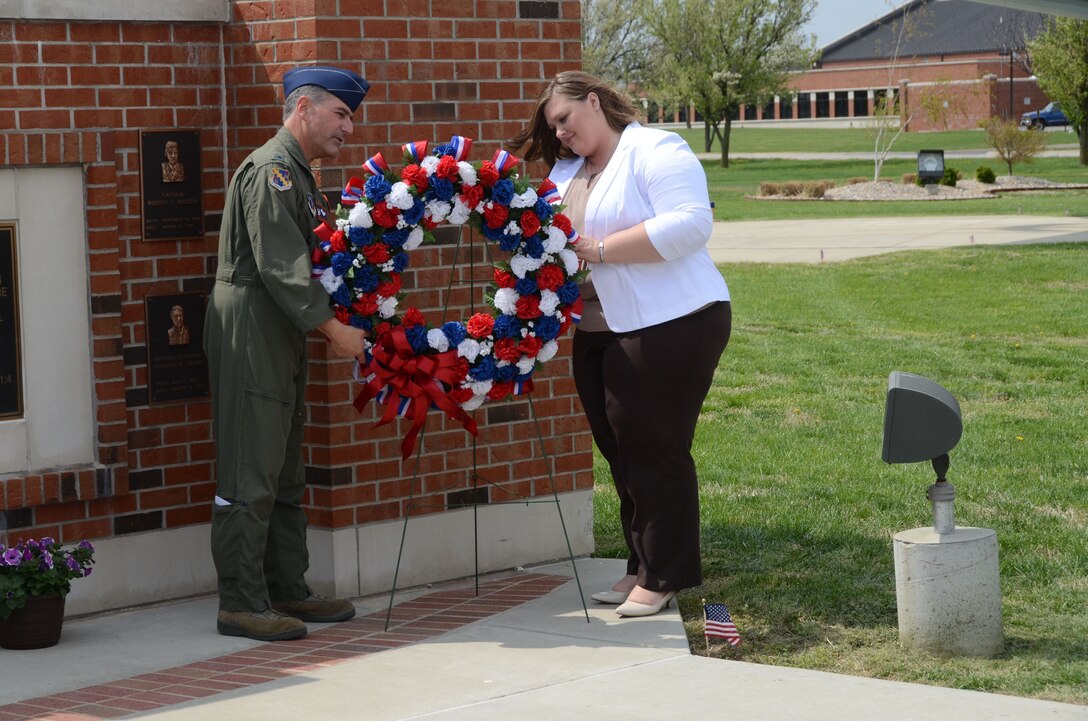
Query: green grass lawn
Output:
(798,511)
(730,186)
(845,140)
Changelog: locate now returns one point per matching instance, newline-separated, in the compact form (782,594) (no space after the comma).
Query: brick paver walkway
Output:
(411,621)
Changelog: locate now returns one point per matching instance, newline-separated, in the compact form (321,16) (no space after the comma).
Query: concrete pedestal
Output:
(948,591)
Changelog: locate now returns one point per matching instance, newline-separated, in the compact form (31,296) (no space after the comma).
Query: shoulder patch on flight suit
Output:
(280,179)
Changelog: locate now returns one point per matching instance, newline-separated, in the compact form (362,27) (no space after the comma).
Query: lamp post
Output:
(947,585)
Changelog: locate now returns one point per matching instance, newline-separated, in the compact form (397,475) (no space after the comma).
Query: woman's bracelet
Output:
(600,249)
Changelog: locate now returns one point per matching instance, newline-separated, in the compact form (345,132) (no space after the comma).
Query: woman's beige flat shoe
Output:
(610,596)
(630,608)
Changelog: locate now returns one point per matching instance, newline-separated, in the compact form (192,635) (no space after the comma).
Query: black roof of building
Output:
(944,27)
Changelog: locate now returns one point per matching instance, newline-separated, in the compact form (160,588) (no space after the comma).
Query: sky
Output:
(835,18)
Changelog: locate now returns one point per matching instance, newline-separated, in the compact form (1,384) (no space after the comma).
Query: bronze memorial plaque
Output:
(177,368)
(172,200)
(11,362)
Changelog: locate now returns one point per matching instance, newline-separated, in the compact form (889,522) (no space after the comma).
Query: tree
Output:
(615,45)
(722,54)
(891,114)
(1012,144)
(889,122)
(669,97)
(1060,57)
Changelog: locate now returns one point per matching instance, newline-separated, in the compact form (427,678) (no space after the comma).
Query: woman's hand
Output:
(625,246)
(586,249)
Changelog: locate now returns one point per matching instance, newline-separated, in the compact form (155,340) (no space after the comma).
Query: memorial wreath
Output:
(411,365)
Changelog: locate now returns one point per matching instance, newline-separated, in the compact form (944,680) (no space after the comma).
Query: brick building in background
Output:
(966,56)
(95,451)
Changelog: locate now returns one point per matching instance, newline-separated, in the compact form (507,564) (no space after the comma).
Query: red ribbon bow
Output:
(324,231)
(416,378)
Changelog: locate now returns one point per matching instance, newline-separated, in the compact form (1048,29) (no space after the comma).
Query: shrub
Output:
(857,179)
(797,188)
(951,175)
(985,174)
(1012,144)
(910,179)
(818,188)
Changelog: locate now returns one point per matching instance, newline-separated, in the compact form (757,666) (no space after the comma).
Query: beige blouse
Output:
(575,200)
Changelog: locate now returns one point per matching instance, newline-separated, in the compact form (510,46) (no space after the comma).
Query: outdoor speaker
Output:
(921,419)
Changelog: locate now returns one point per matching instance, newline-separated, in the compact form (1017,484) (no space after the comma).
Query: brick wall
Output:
(79,92)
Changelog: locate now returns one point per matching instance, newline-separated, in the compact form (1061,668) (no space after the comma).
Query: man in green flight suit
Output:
(261,309)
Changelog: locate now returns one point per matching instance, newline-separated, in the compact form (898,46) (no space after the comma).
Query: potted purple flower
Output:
(35,576)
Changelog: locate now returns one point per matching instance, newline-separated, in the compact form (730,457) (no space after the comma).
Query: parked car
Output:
(1050,115)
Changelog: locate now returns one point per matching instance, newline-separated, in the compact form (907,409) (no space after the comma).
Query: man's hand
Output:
(346,340)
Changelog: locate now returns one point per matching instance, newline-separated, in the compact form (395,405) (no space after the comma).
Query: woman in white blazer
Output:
(657,318)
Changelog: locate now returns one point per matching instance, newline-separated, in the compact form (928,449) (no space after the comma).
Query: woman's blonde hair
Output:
(618,110)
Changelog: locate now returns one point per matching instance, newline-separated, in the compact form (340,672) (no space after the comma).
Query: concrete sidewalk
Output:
(537,659)
(815,241)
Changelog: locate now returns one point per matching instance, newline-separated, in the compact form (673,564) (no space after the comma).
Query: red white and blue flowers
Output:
(458,366)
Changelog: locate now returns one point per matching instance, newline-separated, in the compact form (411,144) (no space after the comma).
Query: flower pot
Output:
(35,625)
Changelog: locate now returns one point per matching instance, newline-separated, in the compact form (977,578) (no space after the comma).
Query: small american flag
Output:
(719,623)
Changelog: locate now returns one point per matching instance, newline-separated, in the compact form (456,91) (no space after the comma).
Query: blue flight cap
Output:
(344,84)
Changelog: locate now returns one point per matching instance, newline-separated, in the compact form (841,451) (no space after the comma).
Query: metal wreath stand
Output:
(476,477)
